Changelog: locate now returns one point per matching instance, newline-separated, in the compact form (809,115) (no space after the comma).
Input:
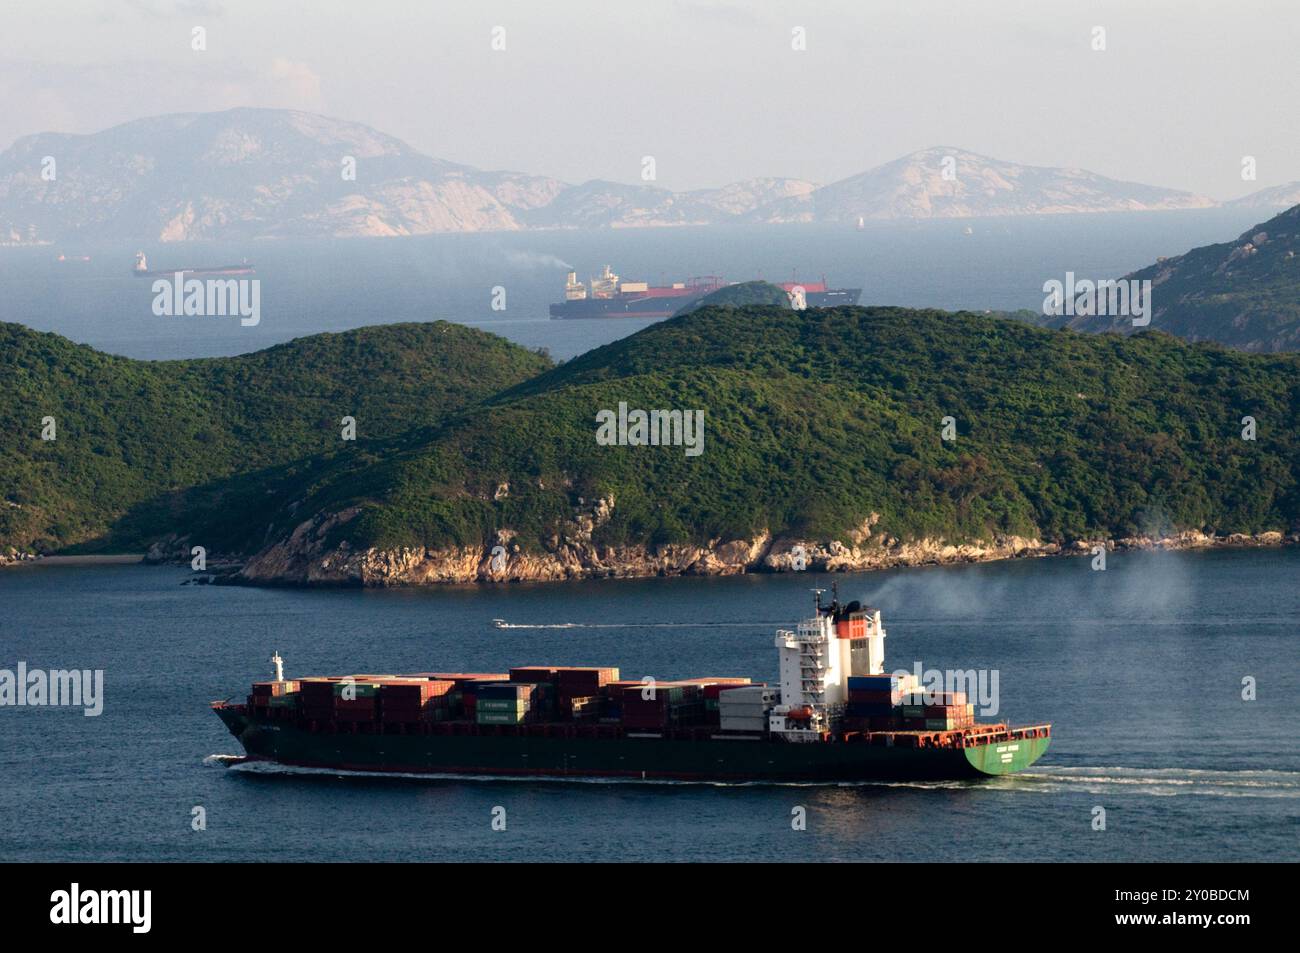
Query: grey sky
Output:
(710,88)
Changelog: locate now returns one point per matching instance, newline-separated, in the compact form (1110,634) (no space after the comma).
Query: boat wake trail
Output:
(223,760)
(1154,782)
(503,624)
(271,768)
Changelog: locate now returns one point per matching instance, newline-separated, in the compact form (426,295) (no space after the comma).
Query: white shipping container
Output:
(748,693)
(745,709)
(746,720)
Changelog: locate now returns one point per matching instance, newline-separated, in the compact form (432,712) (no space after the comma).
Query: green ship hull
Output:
(631,756)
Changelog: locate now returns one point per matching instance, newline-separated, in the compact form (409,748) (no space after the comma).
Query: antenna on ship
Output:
(279,666)
(817,598)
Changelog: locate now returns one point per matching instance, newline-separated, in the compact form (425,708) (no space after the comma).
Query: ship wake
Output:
(1153,782)
(503,624)
(255,768)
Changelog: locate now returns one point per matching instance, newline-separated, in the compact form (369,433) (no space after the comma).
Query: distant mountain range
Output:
(1243,293)
(266,173)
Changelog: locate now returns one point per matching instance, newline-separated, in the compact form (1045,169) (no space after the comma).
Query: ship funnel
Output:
(279,666)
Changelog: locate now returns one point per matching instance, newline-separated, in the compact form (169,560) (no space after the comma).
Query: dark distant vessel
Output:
(835,716)
(610,297)
(141,269)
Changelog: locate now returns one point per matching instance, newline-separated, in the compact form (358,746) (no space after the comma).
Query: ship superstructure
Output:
(816,661)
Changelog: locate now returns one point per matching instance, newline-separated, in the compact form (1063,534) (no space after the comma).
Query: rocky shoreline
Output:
(14,557)
(304,559)
(114,559)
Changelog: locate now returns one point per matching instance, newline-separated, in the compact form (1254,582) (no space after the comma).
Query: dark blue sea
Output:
(1139,667)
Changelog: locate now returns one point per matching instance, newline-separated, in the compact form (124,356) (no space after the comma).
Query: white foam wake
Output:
(1151,782)
(1155,782)
(273,768)
(502,624)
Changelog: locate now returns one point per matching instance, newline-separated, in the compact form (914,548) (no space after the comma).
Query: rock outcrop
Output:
(305,558)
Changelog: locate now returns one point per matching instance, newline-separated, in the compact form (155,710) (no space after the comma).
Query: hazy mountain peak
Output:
(1277,196)
(948,182)
(256,173)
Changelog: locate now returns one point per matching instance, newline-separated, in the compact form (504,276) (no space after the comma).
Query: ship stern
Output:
(1012,754)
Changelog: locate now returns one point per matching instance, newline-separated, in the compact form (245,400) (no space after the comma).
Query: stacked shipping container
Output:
(661,705)
(896,702)
(745,707)
(544,694)
(937,711)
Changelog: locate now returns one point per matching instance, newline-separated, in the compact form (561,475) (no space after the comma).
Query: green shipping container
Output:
(501,704)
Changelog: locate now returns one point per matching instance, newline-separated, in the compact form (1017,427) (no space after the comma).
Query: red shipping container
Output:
(585,681)
(922,697)
(354,716)
(411,694)
(317,688)
(459,677)
(274,689)
(356,704)
(875,697)
(532,674)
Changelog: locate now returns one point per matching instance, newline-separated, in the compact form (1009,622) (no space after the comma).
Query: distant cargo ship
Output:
(611,297)
(141,269)
(835,716)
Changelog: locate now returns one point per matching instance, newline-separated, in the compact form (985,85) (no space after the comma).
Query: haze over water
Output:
(333,285)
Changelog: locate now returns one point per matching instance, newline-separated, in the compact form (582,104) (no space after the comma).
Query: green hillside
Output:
(814,420)
(129,430)
(1245,294)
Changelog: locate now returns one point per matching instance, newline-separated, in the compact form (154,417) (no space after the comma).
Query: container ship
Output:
(610,297)
(835,716)
(141,269)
